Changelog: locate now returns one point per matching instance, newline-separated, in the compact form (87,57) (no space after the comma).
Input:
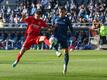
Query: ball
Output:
(53,41)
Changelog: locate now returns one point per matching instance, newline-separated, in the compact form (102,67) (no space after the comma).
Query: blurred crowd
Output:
(78,12)
(91,13)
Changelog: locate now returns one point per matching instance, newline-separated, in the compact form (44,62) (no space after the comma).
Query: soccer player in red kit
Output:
(35,24)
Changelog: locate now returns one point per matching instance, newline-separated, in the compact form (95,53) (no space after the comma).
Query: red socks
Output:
(47,42)
(19,56)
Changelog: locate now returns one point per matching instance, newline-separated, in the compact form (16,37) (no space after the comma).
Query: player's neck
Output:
(61,16)
(37,18)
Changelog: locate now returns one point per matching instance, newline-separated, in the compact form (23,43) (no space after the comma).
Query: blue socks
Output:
(56,47)
(66,58)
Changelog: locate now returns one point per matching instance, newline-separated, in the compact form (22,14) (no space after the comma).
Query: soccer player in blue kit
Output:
(61,24)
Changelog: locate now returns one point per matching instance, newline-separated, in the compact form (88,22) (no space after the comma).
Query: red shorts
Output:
(30,40)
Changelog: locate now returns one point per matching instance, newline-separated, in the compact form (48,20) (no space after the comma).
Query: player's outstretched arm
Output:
(23,18)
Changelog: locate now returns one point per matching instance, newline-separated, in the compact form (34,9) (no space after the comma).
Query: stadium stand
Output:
(82,18)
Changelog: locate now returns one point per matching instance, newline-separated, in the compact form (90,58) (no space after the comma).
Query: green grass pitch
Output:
(44,65)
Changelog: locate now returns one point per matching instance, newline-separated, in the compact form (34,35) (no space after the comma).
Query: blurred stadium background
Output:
(86,63)
(84,15)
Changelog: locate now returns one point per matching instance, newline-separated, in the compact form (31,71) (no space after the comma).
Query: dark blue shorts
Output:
(63,43)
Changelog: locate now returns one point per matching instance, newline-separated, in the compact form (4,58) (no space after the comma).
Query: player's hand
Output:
(23,15)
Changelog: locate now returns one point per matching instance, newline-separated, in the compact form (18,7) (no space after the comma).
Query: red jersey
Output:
(34,26)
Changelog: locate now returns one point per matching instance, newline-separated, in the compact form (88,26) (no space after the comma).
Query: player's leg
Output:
(19,55)
(66,60)
(45,40)
(54,43)
(28,42)
(64,45)
(57,50)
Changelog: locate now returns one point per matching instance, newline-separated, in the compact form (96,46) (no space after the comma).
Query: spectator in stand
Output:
(44,3)
(25,10)
(16,19)
(1,45)
(1,21)
(95,26)
(61,2)
(33,9)
(82,21)
(77,8)
(39,6)
(86,45)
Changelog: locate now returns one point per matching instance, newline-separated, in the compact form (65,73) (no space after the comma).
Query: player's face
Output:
(62,13)
(37,16)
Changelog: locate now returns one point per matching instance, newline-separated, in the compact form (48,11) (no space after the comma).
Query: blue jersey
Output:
(61,27)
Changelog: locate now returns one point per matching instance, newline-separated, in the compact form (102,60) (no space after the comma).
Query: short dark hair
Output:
(39,12)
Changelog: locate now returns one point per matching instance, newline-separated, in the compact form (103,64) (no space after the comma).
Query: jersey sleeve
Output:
(53,20)
(28,20)
(44,24)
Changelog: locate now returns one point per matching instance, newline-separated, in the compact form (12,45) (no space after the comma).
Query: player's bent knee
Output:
(42,38)
(66,50)
(23,49)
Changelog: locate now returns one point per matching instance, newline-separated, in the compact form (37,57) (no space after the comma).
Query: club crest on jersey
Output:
(39,23)
(35,26)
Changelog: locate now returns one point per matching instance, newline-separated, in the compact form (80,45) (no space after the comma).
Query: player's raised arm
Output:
(26,19)
(32,34)
(23,18)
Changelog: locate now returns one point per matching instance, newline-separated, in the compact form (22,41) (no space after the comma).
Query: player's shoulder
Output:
(66,17)
(30,17)
(57,18)
(41,20)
